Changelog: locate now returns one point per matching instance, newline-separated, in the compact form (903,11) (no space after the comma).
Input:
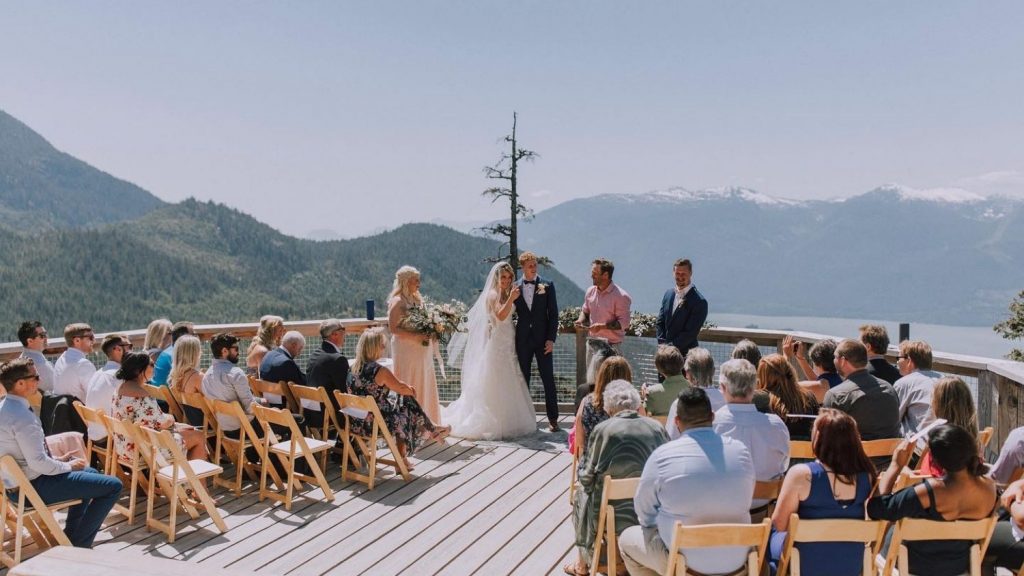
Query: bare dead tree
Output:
(507,169)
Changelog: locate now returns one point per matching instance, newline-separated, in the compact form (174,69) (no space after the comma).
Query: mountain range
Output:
(944,256)
(77,244)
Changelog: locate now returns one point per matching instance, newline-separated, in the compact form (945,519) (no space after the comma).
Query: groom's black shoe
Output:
(554,427)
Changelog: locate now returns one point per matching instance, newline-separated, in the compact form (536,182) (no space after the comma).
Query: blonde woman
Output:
(185,374)
(412,359)
(158,337)
(404,417)
(268,338)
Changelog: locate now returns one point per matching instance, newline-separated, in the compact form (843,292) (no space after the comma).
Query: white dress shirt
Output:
(21,436)
(700,478)
(43,368)
(72,372)
(765,435)
(100,393)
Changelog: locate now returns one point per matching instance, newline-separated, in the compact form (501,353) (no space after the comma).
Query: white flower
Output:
(542,288)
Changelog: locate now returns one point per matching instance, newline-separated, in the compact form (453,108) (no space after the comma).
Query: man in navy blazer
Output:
(536,330)
(279,364)
(683,310)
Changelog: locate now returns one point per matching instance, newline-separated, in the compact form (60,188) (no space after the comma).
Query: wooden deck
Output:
(471,509)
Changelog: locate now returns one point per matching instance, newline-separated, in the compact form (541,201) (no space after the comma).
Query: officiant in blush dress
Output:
(413,363)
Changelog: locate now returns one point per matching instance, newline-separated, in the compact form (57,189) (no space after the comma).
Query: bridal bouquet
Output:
(436,321)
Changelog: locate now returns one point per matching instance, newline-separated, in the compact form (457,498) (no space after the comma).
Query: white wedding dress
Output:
(495,402)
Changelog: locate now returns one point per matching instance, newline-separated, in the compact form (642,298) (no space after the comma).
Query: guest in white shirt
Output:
(72,371)
(765,435)
(33,339)
(700,371)
(701,478)
(103,385)
(915,387)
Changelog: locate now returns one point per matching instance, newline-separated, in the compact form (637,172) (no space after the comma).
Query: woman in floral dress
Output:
(133,403)
(403,417)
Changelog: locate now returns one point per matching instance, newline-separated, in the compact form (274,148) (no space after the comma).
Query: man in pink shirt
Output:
(605,312)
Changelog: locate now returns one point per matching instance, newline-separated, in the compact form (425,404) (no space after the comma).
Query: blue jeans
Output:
(98,493)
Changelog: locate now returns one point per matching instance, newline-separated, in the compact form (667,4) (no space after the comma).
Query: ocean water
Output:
(973,340)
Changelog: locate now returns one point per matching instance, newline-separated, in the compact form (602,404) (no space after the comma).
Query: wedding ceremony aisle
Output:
(471,508)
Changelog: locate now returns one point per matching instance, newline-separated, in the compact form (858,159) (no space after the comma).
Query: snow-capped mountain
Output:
(939,255)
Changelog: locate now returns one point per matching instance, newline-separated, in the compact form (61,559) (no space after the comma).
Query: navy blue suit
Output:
(278,366)
(681,326)
(534,327)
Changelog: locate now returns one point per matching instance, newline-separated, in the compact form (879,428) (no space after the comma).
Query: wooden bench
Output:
(87,562)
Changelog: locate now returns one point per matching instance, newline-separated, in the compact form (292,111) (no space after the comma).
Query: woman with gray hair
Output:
(619,447)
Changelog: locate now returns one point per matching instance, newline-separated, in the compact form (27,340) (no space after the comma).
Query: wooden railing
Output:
(999,383)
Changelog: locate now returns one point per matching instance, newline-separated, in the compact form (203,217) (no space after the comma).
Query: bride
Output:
(495,402)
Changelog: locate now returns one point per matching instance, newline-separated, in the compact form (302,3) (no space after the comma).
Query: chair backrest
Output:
(832,530)
(618,488)
(199,402)
(767,490)
(35,401)
(880,448)
(235,409)
(262,387)
(801,449)
(351,405)
(984,436)
(164,443)
(268,416)
(120,427)
(719,535)
(913,529)
(319,395)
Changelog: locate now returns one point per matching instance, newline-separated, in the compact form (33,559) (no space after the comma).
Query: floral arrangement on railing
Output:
(640,323)
(436,321)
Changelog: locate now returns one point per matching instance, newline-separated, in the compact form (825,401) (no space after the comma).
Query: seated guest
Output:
(1011,457)
(72,371)
(103,384)
(403,418)
(279,364)
(591,411)
(699,369)
(132,402)
(33,341)
(598,350)
(819,373)
(1005,549)
(953,402)
(158,337)
(747,350)
(835,485)
(21,436)
(186,377)
(872,402)
(328,367)
(778,393)
(876,339)
(915,387)
(764,435)
(165,361)
(658,398)
(619,446)
(700,478)
(964,493)
(225,381)
(269,336)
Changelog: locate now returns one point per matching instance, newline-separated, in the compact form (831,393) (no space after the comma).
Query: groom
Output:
(536,330)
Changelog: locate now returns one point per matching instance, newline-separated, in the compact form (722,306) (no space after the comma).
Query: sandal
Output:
(440,433)
(573,569)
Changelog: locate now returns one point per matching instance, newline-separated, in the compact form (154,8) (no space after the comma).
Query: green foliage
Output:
(1013,327)
(208,263)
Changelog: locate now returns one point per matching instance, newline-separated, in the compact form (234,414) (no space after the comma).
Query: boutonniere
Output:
(542,288)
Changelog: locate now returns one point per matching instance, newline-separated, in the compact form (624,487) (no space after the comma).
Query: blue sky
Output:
(357,116)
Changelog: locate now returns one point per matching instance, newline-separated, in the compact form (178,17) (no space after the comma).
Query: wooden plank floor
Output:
(471,509)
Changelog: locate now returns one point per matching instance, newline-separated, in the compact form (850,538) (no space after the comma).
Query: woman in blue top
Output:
(835,485)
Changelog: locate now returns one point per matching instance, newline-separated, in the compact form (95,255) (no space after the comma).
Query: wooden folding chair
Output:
(31,513)
(297,446)
(364,407)
(801,450)
(136,475)
(94,416)
(262,388)
(754,536)
(614,489)
(35,401)
(174,472)
(767,490)
(660,419)
(914,529)
(163,393)
(235,448)
(319,395)
(880,448)
(868,532)
(199,402)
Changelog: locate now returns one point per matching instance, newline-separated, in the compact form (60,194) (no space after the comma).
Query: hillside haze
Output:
(42,188)
(940,256)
